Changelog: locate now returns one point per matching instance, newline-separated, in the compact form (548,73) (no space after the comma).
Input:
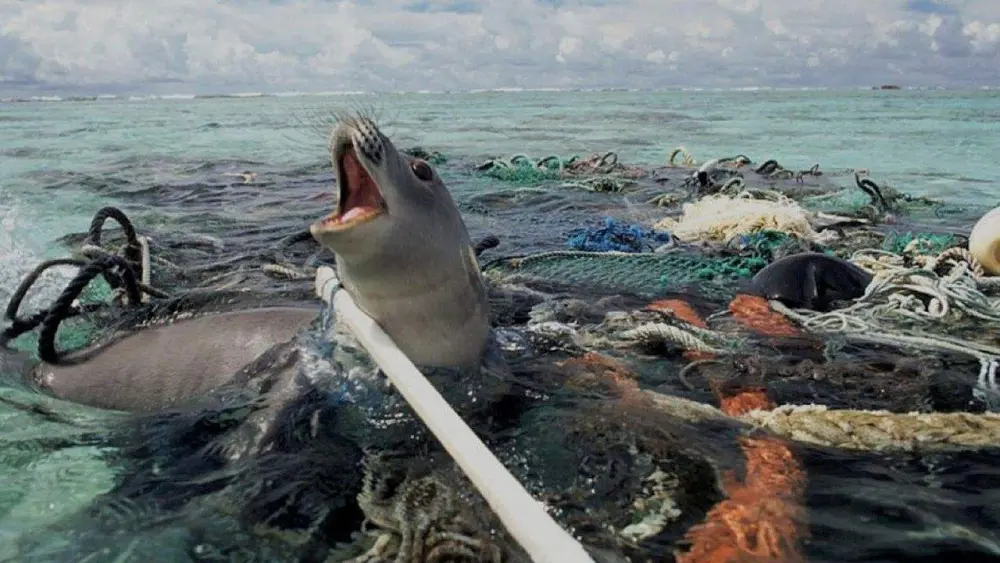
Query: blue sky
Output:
(187,46)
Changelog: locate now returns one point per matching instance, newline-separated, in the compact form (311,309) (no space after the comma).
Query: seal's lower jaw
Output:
(360,198)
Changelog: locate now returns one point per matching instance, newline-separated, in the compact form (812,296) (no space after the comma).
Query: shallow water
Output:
(165,162)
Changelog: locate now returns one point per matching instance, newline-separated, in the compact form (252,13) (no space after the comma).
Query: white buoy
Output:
(984,241)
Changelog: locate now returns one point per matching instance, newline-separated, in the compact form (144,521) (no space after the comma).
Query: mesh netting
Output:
(640,273)
(930,243)
(522,175)
(651,363)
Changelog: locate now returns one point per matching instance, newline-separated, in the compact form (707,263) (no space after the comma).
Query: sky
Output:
(224,46)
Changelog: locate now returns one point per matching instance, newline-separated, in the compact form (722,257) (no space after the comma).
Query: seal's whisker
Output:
(366,108)
(314,123)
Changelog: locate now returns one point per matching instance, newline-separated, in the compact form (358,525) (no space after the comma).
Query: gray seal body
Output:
(403,251)
(160,366)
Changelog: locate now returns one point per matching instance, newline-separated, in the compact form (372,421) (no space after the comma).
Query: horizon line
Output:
(500,90)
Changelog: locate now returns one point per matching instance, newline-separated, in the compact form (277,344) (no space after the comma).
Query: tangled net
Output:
(726,220)
(928,295)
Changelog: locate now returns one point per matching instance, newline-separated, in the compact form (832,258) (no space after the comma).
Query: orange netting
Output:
(763,517)
(680,309)
(744,401)
(594,370)
(756,314)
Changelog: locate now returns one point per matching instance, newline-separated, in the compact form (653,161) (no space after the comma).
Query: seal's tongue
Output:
(359,192)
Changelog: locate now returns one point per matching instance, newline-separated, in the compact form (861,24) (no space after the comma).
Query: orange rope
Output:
(763,517)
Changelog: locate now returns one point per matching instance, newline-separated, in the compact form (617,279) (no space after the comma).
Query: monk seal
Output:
(810,280)
(157,367)
(403,252)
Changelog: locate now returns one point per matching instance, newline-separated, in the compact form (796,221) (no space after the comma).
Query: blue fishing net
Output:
(617,237)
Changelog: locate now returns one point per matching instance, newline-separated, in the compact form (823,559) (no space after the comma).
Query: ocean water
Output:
(170,164)
(62,160)
(933,143)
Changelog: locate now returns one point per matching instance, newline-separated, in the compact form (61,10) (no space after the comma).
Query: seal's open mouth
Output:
(360,198)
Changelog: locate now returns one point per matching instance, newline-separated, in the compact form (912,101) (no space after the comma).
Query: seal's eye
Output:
(422,170)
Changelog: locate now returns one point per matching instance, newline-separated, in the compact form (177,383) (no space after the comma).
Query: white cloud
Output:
(283,45)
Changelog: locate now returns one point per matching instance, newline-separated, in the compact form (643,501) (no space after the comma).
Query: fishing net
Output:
(663,413)
(645,273)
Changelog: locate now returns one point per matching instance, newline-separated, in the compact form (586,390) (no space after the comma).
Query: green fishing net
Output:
(845,200)
(852,201)
(520,169)
(640,273)
(927,243)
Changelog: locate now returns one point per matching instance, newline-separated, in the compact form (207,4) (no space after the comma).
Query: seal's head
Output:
(402,249)
(810,280)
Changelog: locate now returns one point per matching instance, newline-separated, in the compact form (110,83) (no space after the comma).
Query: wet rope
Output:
(689,338)
(117,268)
(921,295)
(280,267)
(879,430)
(917,294)
(135,250)
(869,430)
(839,323)
(20,325)
(853,429)
(126,270)
(686,160)
(64,305)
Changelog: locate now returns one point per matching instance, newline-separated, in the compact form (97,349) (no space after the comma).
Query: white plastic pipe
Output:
(525,519)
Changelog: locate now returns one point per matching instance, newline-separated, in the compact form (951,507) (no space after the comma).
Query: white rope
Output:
(146,275)
(855,328)
(523,516)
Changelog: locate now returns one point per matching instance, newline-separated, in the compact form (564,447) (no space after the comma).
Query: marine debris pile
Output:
(829,289)
(774,309)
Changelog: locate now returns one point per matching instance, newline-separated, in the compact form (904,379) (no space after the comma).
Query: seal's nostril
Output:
(368,141)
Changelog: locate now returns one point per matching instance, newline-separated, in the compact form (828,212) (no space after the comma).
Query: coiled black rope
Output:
(873,190)
(488,242)
(63,306)
(133,248)
(119,272)
(767,167)
(21,325)
(105,213)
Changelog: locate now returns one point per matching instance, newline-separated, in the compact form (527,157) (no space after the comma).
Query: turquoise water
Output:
(61,161)
(933,143)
